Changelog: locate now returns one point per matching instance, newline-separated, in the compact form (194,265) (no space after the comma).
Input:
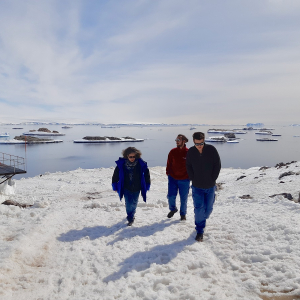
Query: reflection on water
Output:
(158,142)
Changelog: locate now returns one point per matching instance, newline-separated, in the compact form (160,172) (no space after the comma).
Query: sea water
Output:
(158,142)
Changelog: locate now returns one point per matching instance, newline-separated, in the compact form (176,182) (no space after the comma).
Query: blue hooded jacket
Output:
(119,186)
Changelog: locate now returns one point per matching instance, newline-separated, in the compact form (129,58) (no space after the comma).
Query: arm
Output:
(217,165)
(115,178)
(169,164)
(189,166)
(147,179)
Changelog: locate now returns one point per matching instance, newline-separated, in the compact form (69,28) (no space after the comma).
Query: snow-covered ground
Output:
(74,242)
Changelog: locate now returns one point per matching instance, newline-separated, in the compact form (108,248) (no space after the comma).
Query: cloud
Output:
(156,61)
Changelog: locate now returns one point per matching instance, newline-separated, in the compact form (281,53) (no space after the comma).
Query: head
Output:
(131,153)
(181,140)
(198,138)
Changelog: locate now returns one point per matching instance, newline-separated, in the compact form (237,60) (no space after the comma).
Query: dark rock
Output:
(281,182)
(219,185)
(255,177)
(10,202)
(281,164)
(230,135)
(286,174)
(29,139)
(263,168)
(94,138)
(44,130)
(243,176)
(245,197)
(285,195)
(128,138)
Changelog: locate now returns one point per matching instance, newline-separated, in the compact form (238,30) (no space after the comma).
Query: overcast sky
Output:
(171,61)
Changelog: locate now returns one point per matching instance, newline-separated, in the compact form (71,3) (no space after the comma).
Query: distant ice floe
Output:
(18,142)
(96,139)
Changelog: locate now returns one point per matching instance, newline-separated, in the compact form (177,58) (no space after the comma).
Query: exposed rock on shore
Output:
(30,139)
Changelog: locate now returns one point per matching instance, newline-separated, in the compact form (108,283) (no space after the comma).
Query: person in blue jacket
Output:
(131,176)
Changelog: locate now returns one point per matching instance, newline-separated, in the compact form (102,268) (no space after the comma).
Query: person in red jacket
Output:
(178,178)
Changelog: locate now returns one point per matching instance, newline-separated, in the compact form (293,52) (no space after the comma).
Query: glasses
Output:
(131,156)
(199,144)
(177,140)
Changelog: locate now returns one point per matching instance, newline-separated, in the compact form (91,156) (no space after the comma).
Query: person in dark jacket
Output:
(178,178)
(131,176)
(203,166)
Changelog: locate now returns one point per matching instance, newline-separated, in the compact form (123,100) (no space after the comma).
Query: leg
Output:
(172,193)
(131,201)
(209,201)
(184,187)
(199,209)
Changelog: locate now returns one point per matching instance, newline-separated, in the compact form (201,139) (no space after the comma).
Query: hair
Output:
(198,136)
(183,137)
(130,150)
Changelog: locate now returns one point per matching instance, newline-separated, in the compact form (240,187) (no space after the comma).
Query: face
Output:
(179,141)
(131,157)
(199,144)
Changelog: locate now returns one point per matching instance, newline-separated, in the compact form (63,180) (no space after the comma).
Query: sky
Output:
(163,61)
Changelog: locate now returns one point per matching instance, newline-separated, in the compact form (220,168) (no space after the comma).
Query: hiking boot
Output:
(130,222)
(182,218)
(199,237)
(172,212)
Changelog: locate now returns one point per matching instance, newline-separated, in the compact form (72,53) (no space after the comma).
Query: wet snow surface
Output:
(74,242)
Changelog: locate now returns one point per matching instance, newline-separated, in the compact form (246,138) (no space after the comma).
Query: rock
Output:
(219,185)
(286,174)
(44,130)
(29,138)
(245,197)
(94,138)
(281,164)
(263,168)
(243,176)
(128,138)
(112,138)
(10,202)
(285,195)
(229,135)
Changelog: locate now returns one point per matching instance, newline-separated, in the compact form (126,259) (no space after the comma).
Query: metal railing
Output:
(13,161)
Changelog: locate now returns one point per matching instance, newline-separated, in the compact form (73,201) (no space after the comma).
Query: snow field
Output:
(74,242)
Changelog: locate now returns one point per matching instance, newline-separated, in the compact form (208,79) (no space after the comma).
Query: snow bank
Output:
(74,242)
(7,188)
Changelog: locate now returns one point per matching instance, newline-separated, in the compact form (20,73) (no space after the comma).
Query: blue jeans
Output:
(131,201)
(203,206)
(173,186)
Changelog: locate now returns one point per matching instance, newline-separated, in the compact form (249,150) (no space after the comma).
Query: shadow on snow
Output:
(102,231)
(160,255)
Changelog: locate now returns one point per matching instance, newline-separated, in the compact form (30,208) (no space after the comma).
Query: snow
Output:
(74,242)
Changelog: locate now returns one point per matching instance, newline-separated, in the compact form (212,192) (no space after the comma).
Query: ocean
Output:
(159,140)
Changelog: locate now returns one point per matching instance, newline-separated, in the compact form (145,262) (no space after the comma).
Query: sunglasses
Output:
(177,140)
(131,156)
(199,144)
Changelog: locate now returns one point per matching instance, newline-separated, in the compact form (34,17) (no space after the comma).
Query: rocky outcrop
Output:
(29,139)
(281,164)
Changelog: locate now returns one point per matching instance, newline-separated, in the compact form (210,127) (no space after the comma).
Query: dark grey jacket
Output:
(204,168)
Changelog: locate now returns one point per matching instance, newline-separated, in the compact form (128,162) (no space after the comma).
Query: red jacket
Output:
(176,163)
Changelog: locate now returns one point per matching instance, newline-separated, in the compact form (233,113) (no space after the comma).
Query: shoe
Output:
(199,237)
(130,222)
(182,218)
(172,212)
